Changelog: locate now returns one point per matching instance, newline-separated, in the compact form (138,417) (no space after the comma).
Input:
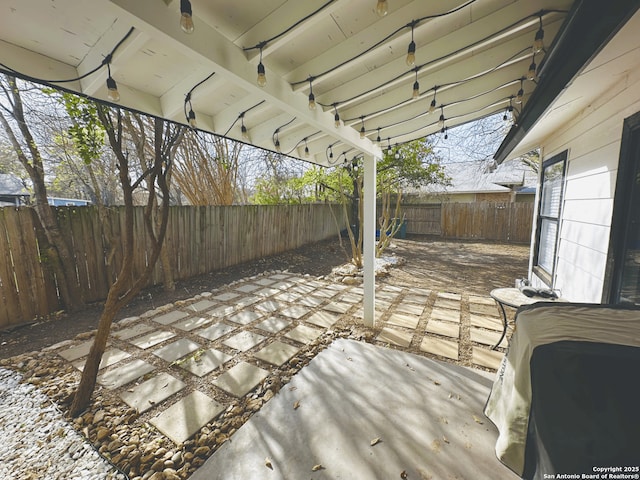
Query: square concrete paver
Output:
(303,289)
(240,379)
(492,323)
(395,337)
(486,358)
(483,300)
(403,320)
(180,421)
(109,357)
(226,296)
(323,319)
(170,317)
(337,307)
(446,329)
(268,292)
(410,308)
(484,309)
(277,353)
(124,374)
(304,334)
(244,317)
(153,391)
(248,288)
(216,331)
(311,301)
(265,282)
(448,315)
(200,306)
(447,303)
(289,297)
(325,293)
(243,341)
(295,311)
(450,296)
(201,365)
(487,337)
(192,323)
(247,301)
(151,339)
(76,352)
(176,350)
(417,299)
(133,331)
(269,306)
(350,298)
(273,324)
(439,346)
(222,311)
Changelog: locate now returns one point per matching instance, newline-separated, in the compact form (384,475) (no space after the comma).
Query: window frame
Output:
(541,271)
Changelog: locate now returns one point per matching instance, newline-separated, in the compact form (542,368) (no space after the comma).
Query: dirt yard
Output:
(448,266)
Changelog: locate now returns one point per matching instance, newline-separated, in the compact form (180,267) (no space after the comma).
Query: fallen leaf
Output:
(477,420)
(267,463)
(317,467)
(375,441)
(403,474)
(445,439)
(291,389)
(296,405)
(436,382)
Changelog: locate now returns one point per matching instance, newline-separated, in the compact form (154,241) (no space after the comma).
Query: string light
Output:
(186,18)
(397,154)
(389,146)
(441,119)
(432,106)
(312,97)
(362,129)
(336,117)
(262,78)
(382,8)
(243,128)
(520,93)
(411,51)
(416,87)
(378,141)
(191,115)
(531,74)
(306,148)
(112,87)
(538,42)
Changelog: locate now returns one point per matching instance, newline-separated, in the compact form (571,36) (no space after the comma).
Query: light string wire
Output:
(241,115)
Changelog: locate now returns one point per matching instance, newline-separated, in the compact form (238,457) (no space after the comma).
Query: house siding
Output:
(593,140)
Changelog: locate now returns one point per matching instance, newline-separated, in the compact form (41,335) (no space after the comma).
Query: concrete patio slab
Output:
(226,296)
(133,331)
(304,334)
(450,296)
(428,418)
(411,309)
(267,292)
(170,317)
(200,306)
(492,323)
(201,365)
(244,317)
(153,391)
(484,309)
(295,312)
(124,374)
(482,300)
(311,301)
(269,306)
(417,299)
(486,358)
(151,339)
(337,307)
(288,297)
(109,357)
(216,331)
(181,420)
(273,324)
(243,341)
(439,346)
(447,315)
(487,337)
(247,301)
(395,337)
(222,311)
(447,303)
(403,320)
(265,281)
(350,298)
(248,288)
(176,350)
(446,329)
(192,323)
(74,353)
(277,353)
(323,319)
(240,379)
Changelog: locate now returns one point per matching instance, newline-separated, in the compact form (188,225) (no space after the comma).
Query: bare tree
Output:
(165,137)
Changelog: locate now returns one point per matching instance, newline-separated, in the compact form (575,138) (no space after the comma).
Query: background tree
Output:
(164,137)
(16,119)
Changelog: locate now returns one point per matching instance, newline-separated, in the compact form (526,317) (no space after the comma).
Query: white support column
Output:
(369,232)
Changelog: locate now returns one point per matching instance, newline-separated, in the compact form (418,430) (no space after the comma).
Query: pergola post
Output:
(369,232)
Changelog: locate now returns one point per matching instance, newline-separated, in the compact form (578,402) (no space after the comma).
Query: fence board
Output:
(10,310)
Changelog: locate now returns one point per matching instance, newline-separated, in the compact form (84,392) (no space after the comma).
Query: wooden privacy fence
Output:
(505,222)
(199,240)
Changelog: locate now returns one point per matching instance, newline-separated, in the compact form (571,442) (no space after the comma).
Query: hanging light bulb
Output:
(531,74)
(112,87)
(336,117)
(441,119)
(432,106)
(382,8)
(186,18)
(243,128)
(306,149)
(378,141)
(538,42)
(262,78)
(411,51)
(278,149)
(389,146)
(312,97)
(330,152)
(505,117)
(416,87)
(397,154)
(362,130)
(520,93)
(446,133)
(192,118)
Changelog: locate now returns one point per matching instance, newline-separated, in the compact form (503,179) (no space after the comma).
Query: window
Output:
(548,221)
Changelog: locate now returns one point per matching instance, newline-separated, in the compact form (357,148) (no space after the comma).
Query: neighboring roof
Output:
(587,29)
(11,185)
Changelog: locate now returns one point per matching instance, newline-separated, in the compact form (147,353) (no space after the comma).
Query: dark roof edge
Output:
(588,27)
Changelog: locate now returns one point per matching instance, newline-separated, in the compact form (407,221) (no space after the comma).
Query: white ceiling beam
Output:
(229,61)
